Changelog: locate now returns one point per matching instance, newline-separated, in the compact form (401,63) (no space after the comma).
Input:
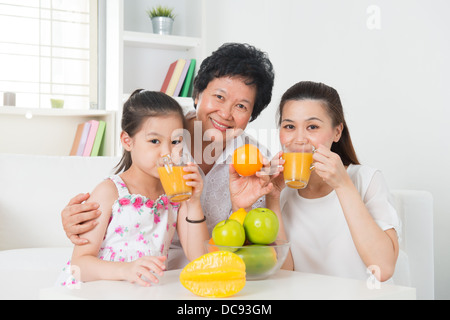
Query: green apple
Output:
(258,259)
(228,233)
(261,226)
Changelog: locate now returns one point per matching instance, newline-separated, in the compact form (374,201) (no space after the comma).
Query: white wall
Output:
(393,81)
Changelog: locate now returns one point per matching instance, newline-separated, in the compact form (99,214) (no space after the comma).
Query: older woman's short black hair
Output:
(243,60)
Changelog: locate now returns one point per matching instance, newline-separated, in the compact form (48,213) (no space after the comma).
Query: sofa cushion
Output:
(24,272)
(35,189)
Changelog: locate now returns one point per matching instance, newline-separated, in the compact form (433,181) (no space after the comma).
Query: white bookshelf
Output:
(162,42)
(135,58)
(49,131)
(30,112)
(139,59)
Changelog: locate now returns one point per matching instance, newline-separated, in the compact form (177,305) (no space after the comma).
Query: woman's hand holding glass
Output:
(329,167)
(273,173)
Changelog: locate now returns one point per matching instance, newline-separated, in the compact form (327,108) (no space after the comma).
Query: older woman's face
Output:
(225,107)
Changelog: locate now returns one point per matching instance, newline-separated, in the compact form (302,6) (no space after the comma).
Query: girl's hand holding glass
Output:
(171,172)
(194,180)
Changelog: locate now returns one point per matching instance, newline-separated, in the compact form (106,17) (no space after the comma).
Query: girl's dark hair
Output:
(243,60)
(141,105)
(307,90)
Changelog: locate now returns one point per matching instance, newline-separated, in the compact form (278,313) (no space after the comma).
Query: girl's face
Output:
(156,137)
(225,106)
(307,121)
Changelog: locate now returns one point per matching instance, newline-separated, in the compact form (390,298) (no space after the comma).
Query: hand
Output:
(78,217)
(196,181)
(142,267)
(328,165)
(277,179)
(245,191)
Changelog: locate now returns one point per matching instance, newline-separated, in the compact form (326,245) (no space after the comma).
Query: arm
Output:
(85,256)
(375,246)
(247,190)
(192,235)
(78,217)
(273,203)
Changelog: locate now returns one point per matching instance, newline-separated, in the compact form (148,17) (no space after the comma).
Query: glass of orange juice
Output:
(298,164)
(170,170)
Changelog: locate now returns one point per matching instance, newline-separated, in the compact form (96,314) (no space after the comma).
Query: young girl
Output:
(343,222)
(133,234)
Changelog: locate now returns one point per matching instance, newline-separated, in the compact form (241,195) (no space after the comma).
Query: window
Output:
(48,51)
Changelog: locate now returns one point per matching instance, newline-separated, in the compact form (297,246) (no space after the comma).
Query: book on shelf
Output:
(175,77)
(168,77)
(186,90)
(83,139)
(179,78)
(98,139)
(76,141)
(88,138)
(182,78)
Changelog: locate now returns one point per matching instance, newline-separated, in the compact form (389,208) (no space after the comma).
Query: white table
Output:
(284,285)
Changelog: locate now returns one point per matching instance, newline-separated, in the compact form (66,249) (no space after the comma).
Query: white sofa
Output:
(34,248)
(33,192)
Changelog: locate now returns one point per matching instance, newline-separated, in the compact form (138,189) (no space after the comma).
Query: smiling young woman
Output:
(343,223)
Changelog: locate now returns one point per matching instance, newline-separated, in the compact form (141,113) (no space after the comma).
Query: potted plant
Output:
(162,19)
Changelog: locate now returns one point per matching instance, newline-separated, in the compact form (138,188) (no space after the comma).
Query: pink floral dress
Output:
(138,227)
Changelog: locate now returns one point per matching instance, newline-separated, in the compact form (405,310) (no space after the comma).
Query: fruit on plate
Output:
(247,160)
(258,259)
(261,226)
(214,275)
(239,215)
(228,233)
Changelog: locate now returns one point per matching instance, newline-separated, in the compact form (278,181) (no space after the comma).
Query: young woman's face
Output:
(157,137)
(307,121)
(225,106)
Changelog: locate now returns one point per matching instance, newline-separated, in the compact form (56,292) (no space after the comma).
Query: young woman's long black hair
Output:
(141,105)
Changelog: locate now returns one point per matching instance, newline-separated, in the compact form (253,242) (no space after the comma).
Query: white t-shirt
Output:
(215,198)
(320,238)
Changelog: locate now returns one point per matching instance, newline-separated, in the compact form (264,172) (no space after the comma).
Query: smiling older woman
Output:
(233,86)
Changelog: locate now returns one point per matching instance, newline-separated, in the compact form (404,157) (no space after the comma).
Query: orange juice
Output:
(297,169)
(173,183)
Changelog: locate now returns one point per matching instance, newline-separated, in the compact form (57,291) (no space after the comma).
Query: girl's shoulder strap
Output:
(120,185)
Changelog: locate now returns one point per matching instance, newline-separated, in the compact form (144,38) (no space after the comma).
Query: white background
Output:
(394,82)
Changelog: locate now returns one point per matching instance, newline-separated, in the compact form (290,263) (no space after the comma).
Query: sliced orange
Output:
(214,275)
